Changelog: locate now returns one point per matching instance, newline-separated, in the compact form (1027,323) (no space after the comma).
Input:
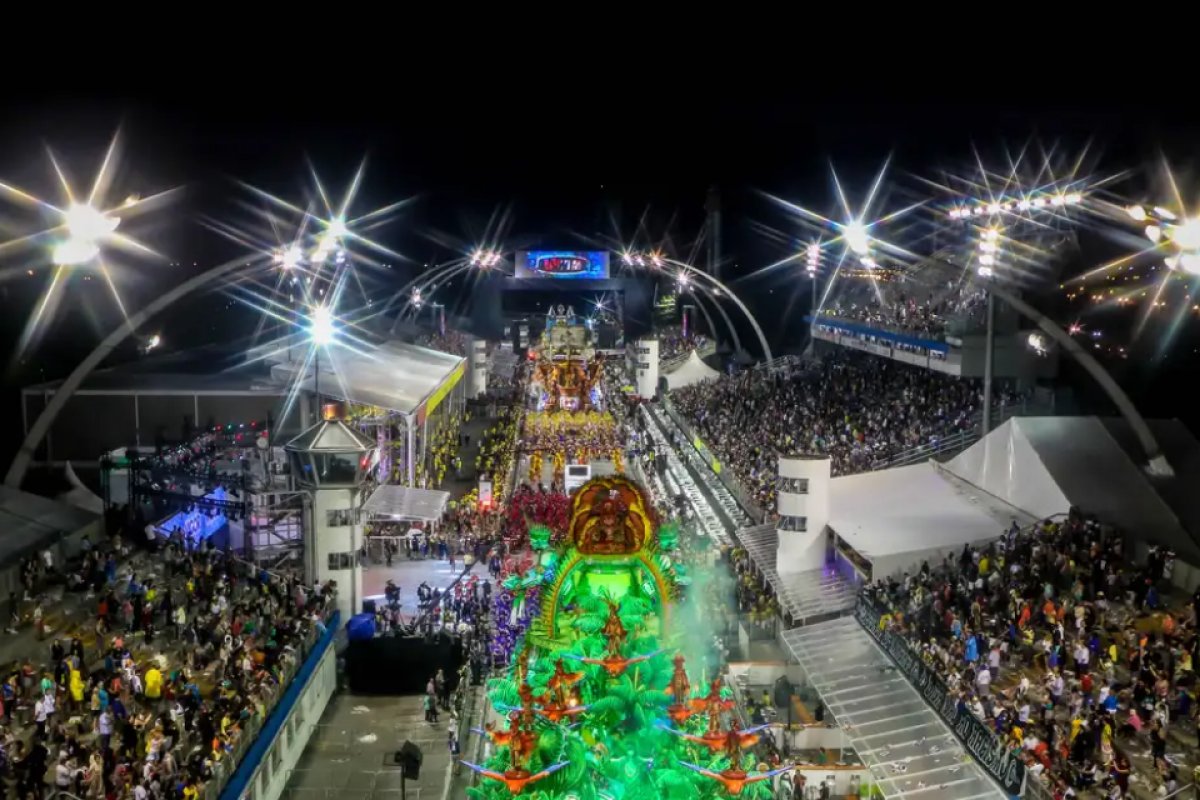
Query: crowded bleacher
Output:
(672,343)
(857,409)
(924,318)
(452,341)
(1079,658)
(153,671)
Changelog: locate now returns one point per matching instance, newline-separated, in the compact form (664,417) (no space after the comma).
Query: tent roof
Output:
(377,371)
(405,502)
(29,522)
(911,509)
(1045,465)
(393,375)
(334,436)
(692,370)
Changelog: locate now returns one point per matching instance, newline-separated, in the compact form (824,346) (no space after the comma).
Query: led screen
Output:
(563,264)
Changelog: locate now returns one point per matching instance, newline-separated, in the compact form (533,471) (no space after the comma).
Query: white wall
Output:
(281,757)
(800,551)
(477,368)
(337,539)
(646,355)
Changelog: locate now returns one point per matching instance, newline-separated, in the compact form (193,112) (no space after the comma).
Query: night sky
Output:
(569,171)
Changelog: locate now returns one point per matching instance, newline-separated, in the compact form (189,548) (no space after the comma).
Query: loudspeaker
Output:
(409,758)
(368,607)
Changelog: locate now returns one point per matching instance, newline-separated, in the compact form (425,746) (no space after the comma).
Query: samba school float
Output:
(610,694)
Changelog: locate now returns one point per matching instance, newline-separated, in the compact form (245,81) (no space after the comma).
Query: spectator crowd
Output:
(159,692)
(1067,649)
(672,342)
(855,408)
(926,318)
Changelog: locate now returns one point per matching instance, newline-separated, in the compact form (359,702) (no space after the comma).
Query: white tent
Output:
(406,502)
(1045,465)
(391,375)
(896,518)
(693,370)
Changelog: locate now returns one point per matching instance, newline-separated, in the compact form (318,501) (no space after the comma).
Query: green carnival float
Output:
(598,702)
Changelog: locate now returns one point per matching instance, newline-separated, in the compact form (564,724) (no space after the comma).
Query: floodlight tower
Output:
(331,462)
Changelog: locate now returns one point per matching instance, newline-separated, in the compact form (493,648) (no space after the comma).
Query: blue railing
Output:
(859,329)
(248,767)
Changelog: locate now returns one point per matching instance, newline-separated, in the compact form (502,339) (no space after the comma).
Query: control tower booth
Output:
(331,462)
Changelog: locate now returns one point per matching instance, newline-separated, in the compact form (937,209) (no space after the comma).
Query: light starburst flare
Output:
(77,234)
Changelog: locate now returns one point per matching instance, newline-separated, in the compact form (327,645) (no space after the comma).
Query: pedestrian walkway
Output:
(349,756)
(907,748)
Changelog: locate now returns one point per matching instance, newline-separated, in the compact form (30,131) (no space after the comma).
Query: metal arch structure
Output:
(707,318)
(712,297)
(693,271)
(41,426)
(1156,461)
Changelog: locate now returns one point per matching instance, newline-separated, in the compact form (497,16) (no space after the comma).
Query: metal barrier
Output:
(752,509)
(955,443)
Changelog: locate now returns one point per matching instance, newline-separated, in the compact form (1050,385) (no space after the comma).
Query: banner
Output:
(979,740)
(439,394)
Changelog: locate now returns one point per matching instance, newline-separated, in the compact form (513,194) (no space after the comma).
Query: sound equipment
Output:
(409,757)
(368,607)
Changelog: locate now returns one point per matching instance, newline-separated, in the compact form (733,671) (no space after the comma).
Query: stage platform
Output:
(908,749)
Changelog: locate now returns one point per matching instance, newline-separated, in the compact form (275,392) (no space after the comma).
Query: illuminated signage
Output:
(562,264)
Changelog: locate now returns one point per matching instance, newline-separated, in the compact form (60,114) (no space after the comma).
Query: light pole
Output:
(322,330)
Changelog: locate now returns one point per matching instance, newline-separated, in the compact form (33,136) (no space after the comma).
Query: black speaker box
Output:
(409,758)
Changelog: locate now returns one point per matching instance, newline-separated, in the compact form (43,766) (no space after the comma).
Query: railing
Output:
(955,443)
(779,362)
(752,509)
(704,351)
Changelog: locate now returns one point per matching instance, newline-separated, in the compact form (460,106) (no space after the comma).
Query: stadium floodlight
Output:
(73,252)
(485,258)
(291,257)
(321,326)
(1136,213)
(683,280)
(87,224)
(1153,233)
(153,342)
(996,206)
(1186,236)
(1189,263)
(86,227)
(336,228)
(855,234)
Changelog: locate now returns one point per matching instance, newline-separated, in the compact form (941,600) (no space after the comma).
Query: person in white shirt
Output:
(983,680)
(63,774)
(40,713)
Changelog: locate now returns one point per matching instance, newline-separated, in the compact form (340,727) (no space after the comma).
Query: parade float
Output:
(609,693)
(567,421)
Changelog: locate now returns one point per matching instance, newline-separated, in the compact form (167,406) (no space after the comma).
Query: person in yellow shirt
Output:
(75,684)
(154,683)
